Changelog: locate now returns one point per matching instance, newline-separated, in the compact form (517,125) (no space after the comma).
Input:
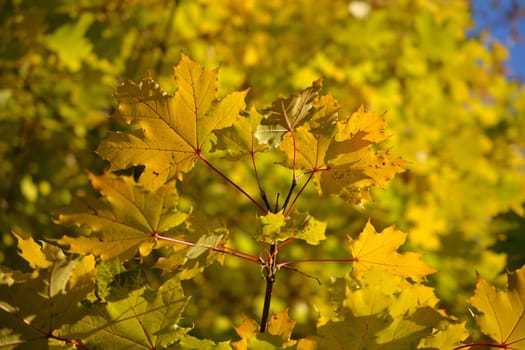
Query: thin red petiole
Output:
(472,345)
(295,269)
(230,181)
(291,262)
(284,243)
(226,250)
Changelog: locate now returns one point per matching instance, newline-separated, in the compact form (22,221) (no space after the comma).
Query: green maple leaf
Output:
(286,114)
(70,43)
(33,309)
(239,140)
(125,220)
(189,342)
(140,319)
(203,234)
(271,226)
(171,131)
(277,227)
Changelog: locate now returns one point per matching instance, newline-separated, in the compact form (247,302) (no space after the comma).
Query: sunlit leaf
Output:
(276,227)
(447,337)
(278,335)
(502,313)
(271,226)
(306,227)
(171,131)
(286,114)
(189,342)
(282,325)
(125,220)
(36,255)
(239,140)
(378,252)
(338,152)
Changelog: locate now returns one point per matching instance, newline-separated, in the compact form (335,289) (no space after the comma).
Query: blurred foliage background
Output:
(452,114)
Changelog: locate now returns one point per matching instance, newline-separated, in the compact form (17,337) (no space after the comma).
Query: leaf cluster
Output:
(120,286)
(451,113)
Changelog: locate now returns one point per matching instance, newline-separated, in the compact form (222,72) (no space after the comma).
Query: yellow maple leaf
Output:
(171,131)
(502,315)
(248,328)
(36,255)
(124,221)
(378,251)
(338,153)
(280,327)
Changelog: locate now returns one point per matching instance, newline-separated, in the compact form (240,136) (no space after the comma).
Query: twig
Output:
(270,280)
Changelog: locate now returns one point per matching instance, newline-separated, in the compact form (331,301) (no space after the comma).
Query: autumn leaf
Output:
(271,226)
(353,333)
(278,336)
(39,256)
(282,325)
(502,313)
(190,342)
(124,221)
(310,150)
(446,336)
(378,252)
(338,153)
(170,131)
(138,319)
(286,114)
(381,311)
(248,328)
(276,227)
(34,308)
(239,140)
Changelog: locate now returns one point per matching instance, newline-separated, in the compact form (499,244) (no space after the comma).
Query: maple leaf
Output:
(34,308)
(171,131)
(33,253)
(279,331)
(282,325)
(141,318)
(189,342)
(353,333)
(271,225)
(447,337)
(239,140)
(338,155)
(502,313)
(381,311)
(201,235)
(125,220)
(286,114)
(248,328)
(378,252)
(277,227)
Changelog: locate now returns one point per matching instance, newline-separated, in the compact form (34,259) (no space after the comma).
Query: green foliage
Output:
(154,243)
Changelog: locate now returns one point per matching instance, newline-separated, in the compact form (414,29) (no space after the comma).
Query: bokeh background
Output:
(443,71)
